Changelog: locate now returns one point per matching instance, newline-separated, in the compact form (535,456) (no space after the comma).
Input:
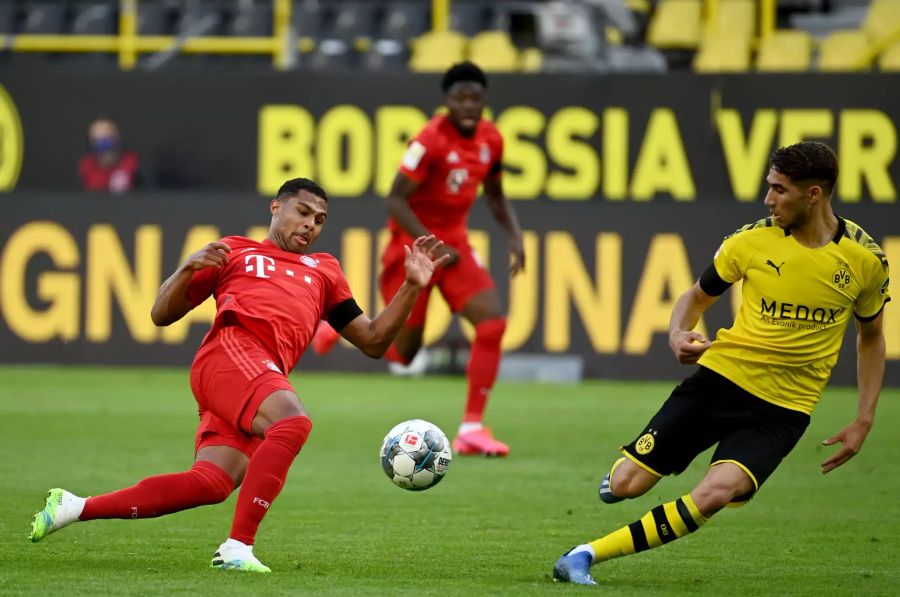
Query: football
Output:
(415,455)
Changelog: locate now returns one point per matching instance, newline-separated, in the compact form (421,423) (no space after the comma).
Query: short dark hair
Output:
(463,71)
(295,185)
(807,161)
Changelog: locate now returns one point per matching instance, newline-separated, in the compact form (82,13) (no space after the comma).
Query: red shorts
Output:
(231,376)
(457,283)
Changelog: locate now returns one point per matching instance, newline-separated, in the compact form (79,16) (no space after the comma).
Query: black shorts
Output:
(708,409)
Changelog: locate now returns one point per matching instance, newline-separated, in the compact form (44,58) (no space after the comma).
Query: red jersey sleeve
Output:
(202,284)
(340,306)
(419,155)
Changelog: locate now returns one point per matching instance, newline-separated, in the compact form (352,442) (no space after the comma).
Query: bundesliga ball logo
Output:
(415,455)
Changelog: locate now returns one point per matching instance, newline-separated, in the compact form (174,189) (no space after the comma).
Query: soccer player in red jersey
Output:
(433,193)
(270,296)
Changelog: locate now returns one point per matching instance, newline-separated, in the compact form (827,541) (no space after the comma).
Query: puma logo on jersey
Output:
(777,268)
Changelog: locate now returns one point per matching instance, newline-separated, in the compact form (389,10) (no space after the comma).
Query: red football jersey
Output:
(276,295)
(449,169)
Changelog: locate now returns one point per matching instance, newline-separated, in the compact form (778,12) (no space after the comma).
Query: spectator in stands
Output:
(107,167)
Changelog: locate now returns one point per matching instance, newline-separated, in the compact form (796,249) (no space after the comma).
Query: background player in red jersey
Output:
(433,193)
(270,296)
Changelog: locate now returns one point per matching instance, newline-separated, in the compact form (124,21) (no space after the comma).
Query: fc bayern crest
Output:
(485,154)
(307,260)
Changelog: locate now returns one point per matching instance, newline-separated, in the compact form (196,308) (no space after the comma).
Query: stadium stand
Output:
(709,36)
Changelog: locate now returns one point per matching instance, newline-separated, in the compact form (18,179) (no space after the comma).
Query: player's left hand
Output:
(851,437)
(422,260)
(517,253)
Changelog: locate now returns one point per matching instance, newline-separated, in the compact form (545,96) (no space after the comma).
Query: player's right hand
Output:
(688,346)
(214,254)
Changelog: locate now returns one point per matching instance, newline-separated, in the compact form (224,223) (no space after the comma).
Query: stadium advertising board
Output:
(79,273)
(677,138)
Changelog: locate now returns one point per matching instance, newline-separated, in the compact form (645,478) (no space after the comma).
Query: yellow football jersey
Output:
(796,304)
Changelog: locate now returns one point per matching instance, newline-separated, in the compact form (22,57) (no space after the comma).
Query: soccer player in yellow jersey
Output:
(806,272)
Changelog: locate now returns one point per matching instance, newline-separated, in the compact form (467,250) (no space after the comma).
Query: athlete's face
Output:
(297,221)
(465,102)
(790,204)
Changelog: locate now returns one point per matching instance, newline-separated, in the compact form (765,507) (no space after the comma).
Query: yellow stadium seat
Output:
(882,23)
(723,53)
(530,60)
(845,51)
(436,51)
(787,50)
(735,17)
(675,25)
(494,52)
(890,58)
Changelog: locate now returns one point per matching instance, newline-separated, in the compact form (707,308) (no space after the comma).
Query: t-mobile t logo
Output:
(262,503)
(259,264)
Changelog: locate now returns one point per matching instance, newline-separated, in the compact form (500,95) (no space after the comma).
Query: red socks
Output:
(155,496)
(266,474)
(394,356)
(484,361)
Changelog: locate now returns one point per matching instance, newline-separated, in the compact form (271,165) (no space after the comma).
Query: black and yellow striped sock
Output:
(659,526)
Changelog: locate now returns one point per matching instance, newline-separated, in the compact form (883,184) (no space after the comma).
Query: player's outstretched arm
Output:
(687,344)
(870,354)
(374,336)
(503,212)
(171,301)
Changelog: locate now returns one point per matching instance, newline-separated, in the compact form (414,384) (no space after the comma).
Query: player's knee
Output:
(216,481)
(712,498)
(626,485)
(490,331)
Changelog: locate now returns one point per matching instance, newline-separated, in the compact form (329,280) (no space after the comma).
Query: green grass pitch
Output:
(492,527)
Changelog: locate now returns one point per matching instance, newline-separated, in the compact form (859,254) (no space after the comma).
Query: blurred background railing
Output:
(427,36)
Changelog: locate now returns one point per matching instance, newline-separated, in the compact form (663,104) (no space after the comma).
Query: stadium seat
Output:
(308,18)
(890,58)
(468,17)
(530,60)
(723,53)
(436,51)
(845,51)
(735,17)
(94,18)
(252,19)
(354,22)
(153,19)
(386,54)
(43,18)
(787,50)
(404,21)
(39,18)
(198,19)
(494,52)
(676,25)
(882,23)
(331,54)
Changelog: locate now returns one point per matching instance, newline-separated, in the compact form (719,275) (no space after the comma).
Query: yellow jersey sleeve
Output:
(734,254)
(874,294)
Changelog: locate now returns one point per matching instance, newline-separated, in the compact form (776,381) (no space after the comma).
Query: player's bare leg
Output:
(626,479)
(483,311)
(283,424)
